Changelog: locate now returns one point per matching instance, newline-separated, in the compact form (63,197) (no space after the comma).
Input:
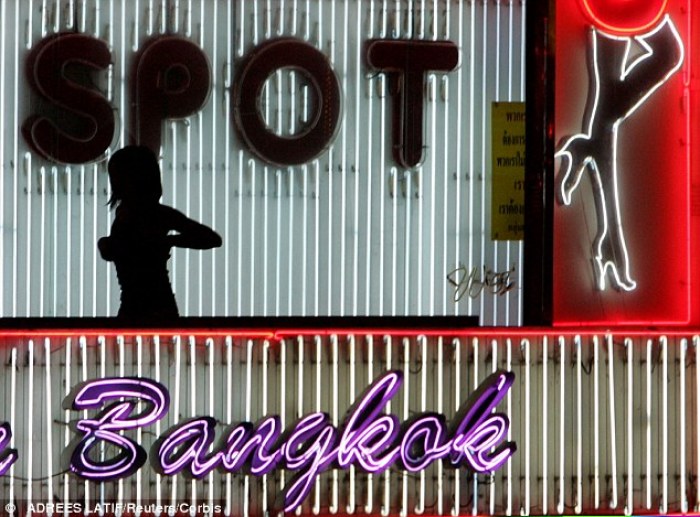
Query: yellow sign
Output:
(508,171)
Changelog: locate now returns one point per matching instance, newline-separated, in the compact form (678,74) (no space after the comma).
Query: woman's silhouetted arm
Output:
(190,233)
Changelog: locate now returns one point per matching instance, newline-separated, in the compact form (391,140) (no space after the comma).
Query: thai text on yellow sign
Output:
(508,170)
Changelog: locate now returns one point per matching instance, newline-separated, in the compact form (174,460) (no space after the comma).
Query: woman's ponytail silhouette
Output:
(142,234)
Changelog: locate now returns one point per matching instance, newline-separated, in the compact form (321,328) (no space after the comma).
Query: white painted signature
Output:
(473,283)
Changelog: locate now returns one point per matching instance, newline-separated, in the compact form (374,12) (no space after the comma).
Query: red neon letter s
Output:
(87,134)
(172,79)
(407,61)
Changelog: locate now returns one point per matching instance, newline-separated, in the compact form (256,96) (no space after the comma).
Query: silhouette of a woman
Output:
(142,234)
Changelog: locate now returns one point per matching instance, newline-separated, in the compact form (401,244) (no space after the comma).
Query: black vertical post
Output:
(539,164)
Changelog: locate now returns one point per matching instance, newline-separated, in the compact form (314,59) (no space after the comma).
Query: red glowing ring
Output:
(627,20)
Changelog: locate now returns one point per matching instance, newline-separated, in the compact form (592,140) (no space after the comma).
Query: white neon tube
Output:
(492,485)
(317,487)
(525,345)
(13,412)
(406,373)
(509,405)
(475,478)
(440,408)
(163,16)
(176,414)
(265,392)
(317,233)
(102,344)
(369,173)
(356,158)
(562,412)
(120,484)
(482,130)
(458,138)
(193,384)
(283,397)
(380,82)
(84,377)
(629,508)
(139,432)
(458,388)
(156,360)
(613,426)
(334,507)
(253,176)
(30,421)
(66,414)
(3,119)
(664,418)
(49,423)
(579,428)
(350,507)
(30,239)
(278,235)
(648,428)
(300,377)
(248,408)
(682,407)
(210,374)
(596,423)
(68,177)
(397,18)
(420,505)
(545,423)
(305,238)
(432,217)
(387,477)
(42,242)
(229,410)
(370,378)
(394,235)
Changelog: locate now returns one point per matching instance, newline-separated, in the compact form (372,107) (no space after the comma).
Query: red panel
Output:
(653,161)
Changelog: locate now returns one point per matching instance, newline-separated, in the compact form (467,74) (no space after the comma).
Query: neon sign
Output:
(367,438)
(621,84)
(625,17)
(115,417)
(7,456)
(172,79)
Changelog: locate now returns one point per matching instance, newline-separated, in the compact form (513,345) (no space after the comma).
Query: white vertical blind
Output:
(350,233)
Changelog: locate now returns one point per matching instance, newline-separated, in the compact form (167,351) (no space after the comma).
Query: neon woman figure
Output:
(620,84)
(143,232)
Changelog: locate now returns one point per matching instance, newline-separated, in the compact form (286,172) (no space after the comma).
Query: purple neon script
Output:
(479,430)
(368,438)
(7,456)
(119,415)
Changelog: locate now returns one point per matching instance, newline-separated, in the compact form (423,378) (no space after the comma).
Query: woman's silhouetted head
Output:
(134,175)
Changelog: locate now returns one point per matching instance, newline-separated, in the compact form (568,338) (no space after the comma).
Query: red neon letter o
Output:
(266,59)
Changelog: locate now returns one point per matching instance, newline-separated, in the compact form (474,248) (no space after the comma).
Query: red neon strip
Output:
(279,335)
(496,332)
(688,98)
(91,332)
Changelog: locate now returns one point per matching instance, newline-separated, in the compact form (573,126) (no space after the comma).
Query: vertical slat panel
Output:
(311,372)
